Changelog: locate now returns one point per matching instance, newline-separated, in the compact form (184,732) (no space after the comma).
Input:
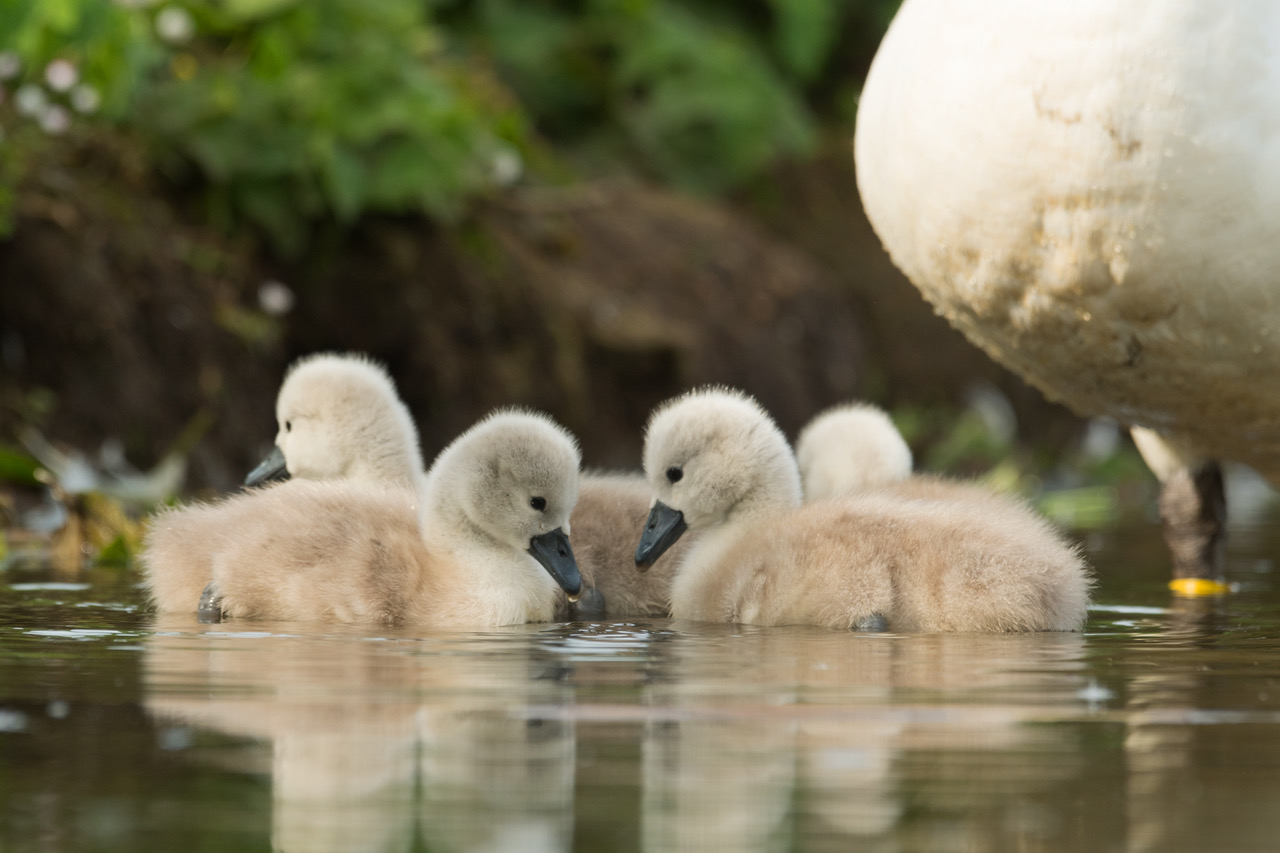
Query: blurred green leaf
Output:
(248,10)
(1086,508)
(17,467)
(344,180)
(291,111)
(114,553)
(702,105)
(806,31)
(330,107)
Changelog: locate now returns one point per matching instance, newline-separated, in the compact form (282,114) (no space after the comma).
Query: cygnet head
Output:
(712,456)
(850,448)
(339,416)
(514,476)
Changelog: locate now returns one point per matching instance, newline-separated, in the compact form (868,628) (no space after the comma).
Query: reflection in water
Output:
(717,785)
(347,785)
(375,739)
(798,732)
(1200,730)
(495,781)
(1157,730)
(1160,756)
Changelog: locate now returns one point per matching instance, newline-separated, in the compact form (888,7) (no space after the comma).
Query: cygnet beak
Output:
(664,527)
(553,552)
(271,468)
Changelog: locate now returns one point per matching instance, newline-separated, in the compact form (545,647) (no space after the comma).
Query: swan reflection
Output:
(669,736)
(789,738)
(380,742)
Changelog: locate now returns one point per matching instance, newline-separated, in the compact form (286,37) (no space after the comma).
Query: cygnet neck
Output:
(395,467)
(777,494)
(490,582)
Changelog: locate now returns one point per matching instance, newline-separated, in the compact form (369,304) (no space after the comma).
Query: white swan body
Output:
(1090,191)
(718,464)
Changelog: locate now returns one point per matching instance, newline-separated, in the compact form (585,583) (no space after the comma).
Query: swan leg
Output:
(210,608)
(873,623)
(589,607)
(1193,509)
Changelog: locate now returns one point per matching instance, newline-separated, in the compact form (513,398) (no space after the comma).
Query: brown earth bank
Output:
(122,316)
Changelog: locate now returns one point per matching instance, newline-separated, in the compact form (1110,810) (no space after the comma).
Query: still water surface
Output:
(1158,729)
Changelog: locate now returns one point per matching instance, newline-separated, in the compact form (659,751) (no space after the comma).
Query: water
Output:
(1158,729)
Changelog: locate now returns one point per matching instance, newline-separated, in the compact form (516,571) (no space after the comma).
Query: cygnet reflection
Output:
(378,741)
(792,738)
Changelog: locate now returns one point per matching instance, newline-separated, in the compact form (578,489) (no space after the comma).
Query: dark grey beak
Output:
(664,527)
(271,468)
(553,552)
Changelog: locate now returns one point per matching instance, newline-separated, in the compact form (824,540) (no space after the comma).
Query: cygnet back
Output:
(611,508)
(850,448)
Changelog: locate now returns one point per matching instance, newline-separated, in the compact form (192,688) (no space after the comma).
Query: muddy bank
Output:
(122,316)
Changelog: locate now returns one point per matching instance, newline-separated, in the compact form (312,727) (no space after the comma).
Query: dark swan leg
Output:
(1193,509)
(589,607)
(210,607)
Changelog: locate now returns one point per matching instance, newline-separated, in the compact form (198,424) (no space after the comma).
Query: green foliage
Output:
(118,552)
(289,111)
(701,104)
(331,107)
(952,442)
(111,46)
(804,35)
(704,94)
(1083,508)
(1077,489)
(17,467)
(108,47)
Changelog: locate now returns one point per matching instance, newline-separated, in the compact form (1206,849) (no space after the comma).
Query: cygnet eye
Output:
(674,474)
(539,504)
(288,426)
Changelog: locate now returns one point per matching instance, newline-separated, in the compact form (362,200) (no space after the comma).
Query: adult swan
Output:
(1090,191)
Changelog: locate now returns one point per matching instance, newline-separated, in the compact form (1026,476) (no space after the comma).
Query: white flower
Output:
(506,167)
(85,99)
(61,75)
(275,298)
(12,721)
(175,25)
(30,99)
(10,65)
(55,119)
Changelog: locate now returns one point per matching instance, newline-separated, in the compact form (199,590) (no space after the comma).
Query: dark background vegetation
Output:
(580,206)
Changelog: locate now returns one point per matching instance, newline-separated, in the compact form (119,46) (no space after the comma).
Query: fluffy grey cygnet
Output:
(719,465)
(488,546)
